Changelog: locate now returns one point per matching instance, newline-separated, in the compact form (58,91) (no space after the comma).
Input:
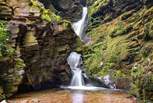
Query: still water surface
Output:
(67,96)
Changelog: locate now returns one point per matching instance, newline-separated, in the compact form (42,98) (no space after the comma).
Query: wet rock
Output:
(96,81)
(2,95)
(44,50)
(68,9)
(114,8)
(6,11)
(123,83)
(147,2)
(42,45)
(10,75)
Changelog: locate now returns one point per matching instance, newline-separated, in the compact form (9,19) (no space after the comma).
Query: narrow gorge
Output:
(76,51)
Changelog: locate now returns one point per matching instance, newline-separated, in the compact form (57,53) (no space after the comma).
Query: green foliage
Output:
(148,30)
(93,59)
(118,74)
(19,63)
(137,71)
(4,35)
(117,52)
(96,5)
(119,29)
(93,22)
(46,14)
(142,83)
(5,49)
(116,49)
(105,49)
(106,69)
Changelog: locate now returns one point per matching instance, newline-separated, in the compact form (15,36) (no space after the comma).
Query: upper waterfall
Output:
(81,26)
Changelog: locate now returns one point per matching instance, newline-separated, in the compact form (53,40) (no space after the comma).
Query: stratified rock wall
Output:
(42,42)
(121,32)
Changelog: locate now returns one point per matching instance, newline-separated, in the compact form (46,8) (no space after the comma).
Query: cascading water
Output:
(74,59)
(80,26)
(77,83)
(75,62)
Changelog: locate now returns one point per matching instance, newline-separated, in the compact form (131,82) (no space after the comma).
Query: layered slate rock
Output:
(121,32)
(111,9)
(41,48)
(44,47)
(11,76)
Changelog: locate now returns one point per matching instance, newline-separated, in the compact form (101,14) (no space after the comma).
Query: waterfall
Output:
(80,26)
(75,61)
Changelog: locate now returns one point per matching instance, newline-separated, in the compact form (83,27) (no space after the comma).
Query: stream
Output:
(70,96)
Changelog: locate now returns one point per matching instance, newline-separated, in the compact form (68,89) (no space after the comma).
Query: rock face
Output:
(46,61)
(68,9)
(41,48)
(11,76)
(44,48)
(121,33)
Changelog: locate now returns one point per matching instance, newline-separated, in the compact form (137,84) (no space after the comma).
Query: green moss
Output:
(119,29)
(104,49)
(5,49)
(9,90)
(137,71)
(46,14)
(118,74)
(4,35)
(141,85)
(116,49)
(119,44)
(19,64)
(96,6)
(66,24)
(148,30)
(2,96)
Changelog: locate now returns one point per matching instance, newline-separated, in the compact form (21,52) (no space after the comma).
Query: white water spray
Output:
(75,61)
(80,26)
(4,101)
(108,82)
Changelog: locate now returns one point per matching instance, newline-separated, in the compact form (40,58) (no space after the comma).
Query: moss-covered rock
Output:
(121,44)
(35,52)
(2,95)
(45,56)
(67,9)
(11,75)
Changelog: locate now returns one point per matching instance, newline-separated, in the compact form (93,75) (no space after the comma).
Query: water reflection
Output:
(78,97)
